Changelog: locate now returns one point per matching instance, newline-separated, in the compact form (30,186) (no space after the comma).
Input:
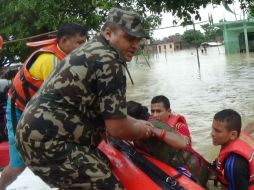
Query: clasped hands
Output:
(148,130)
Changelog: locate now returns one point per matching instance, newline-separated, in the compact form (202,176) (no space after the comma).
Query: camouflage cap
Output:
(130,22)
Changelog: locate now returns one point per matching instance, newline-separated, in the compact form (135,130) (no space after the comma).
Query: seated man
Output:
(235,162)
(160,109)
(170,146)
(174,139)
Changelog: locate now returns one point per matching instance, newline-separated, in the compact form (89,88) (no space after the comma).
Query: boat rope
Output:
(161,178)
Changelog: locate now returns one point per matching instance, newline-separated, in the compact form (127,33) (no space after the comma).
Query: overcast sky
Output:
(218,13)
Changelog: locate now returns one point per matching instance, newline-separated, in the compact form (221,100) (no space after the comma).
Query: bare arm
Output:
(172,139)
(128,128)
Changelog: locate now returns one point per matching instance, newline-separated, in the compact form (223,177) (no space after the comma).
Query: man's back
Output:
(75,100)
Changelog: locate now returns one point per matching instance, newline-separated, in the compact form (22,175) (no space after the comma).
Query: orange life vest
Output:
(174,119)
(24,86)
(246,141)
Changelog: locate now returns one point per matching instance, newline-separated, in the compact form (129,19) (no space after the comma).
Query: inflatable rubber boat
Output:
(135,169)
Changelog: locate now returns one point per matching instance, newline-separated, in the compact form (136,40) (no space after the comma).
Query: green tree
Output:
(25,18)
(211,32)
(193,37)
(249,7)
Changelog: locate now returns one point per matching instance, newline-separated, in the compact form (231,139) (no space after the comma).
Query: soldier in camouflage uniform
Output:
(62,125)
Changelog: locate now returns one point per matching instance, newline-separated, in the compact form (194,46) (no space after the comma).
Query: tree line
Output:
(24,18)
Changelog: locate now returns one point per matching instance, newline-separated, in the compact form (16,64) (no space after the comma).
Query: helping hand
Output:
(146,129)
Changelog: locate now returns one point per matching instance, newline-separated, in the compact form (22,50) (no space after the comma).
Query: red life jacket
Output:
(24,86)
(174,119)
(246,141)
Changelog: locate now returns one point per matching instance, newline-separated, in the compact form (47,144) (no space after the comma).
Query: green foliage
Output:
(249,7)
(24,18)
(193,37)
(211,32)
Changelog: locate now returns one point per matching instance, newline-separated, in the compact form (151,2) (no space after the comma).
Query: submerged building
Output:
(238,35)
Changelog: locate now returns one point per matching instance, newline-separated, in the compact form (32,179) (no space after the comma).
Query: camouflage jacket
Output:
(86,88)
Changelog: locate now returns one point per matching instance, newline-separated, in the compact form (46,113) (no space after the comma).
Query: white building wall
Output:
(166,47)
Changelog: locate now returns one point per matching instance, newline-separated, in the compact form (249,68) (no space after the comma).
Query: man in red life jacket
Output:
(170,146)
(235,162)
(160,108)
(36,69)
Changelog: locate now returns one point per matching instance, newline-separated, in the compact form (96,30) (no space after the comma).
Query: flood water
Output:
(223,81)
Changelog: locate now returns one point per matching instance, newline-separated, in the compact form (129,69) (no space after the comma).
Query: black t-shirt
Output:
(236,171)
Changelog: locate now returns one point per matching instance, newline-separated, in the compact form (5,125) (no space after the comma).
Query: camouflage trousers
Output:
(67,165)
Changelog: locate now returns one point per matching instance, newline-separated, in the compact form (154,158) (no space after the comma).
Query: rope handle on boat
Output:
(160,177)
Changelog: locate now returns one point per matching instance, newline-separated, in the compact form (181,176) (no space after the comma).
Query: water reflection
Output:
(222,82)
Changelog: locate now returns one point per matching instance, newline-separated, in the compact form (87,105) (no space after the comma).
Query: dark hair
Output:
(71,29)
(232,119)
(136,110)
(161,99)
